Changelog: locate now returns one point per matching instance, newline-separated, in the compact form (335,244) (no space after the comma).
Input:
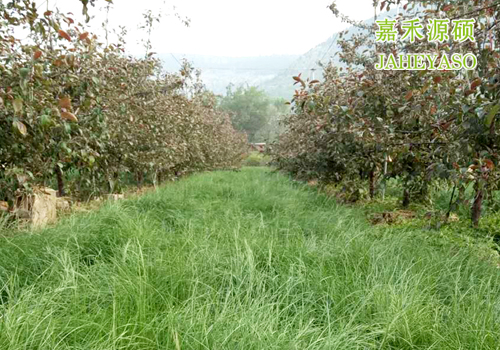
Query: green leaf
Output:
(18,105)
(45,120)
(493,111)
(24,73)
(20,127)
(67,128)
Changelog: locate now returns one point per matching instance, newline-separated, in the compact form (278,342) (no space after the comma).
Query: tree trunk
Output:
(372,179)
(476,207)
(406,198)
(139,178)
(60,182)
(424,189)
(451,203)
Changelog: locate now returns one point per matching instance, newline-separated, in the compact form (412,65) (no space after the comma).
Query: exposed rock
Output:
(313,183)
(39,207)
(391,217)
(22,214)
(4,206)
(63,204)
(115,197)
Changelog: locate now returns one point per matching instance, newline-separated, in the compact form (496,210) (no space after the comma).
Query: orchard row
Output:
(362,126)
(84,116)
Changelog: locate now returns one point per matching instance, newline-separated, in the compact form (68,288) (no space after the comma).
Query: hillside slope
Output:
(310,64)
(219,72)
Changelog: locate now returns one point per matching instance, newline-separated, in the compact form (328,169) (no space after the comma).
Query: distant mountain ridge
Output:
(271,73)
(218,72)
(310,64)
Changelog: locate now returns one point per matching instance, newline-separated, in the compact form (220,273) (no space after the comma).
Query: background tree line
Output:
(253,112)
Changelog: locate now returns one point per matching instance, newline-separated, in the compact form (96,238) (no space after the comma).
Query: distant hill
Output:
(311,62)
(271,73)
(219,72)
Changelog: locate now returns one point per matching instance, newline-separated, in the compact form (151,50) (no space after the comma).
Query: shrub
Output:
(256,159)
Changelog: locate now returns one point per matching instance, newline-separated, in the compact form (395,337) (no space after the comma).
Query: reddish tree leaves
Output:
(64,35)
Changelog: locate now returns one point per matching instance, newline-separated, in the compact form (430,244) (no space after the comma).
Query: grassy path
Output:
(245,260)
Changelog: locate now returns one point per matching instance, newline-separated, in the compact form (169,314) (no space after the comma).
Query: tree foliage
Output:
(365,124)
(249,107)
(70,104)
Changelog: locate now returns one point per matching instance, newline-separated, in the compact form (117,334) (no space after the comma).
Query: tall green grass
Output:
(247,260)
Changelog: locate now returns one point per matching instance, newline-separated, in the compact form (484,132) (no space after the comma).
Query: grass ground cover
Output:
(241,260)
(430,214)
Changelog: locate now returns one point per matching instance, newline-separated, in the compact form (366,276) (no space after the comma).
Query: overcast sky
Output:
(227,27)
